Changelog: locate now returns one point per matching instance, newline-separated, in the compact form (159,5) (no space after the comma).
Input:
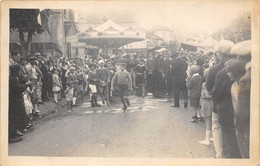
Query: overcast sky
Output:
(189,15)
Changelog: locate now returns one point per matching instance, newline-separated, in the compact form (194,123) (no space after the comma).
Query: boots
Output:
(93,101)
(207,140)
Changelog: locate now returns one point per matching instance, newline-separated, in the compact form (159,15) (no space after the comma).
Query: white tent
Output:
(161,50)
(207,44)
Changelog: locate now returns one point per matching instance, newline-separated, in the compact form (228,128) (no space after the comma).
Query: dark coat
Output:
(210,82)
(179,68)
(221,95)
(17,115)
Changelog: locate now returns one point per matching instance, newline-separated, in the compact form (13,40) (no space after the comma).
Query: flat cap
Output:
(33,58)
(37,54)
(23,58)
(224,47)
(242,48)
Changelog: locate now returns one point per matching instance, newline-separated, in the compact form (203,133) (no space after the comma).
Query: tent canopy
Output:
(208,43)
(109,41)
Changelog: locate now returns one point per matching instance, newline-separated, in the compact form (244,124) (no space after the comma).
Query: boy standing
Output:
(194,84)
(124,83)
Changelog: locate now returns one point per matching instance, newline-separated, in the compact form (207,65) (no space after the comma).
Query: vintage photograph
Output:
(137,79)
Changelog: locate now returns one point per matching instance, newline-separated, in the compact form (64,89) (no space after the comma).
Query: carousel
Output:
(109,36)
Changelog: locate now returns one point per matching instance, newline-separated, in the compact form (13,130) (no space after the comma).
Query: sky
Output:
(189,16)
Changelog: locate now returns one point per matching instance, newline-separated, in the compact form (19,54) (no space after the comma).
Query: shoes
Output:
(201,119)
(16,139)
(36,114)
(108,104)
(205,142)
(46,100)
(18,133)
(37,111)
(175,106)
(97,105)
(194,119)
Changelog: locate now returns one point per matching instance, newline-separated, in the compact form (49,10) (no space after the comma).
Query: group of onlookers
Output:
(221,94)
(218,87)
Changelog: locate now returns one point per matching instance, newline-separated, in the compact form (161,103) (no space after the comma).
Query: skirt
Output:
(55,89)
(194,102)
(206,108)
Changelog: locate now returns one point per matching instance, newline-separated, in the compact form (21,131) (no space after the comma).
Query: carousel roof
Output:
(109,35)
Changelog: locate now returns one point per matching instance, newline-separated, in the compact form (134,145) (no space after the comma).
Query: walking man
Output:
(123,81)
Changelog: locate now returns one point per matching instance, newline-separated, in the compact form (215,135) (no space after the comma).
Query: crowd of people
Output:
(217,85)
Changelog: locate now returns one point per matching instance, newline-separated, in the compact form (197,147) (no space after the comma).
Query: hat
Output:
(37,54)
(224,47)
(194,69)
(101,61)
(23,58)
(248,66)
(72,68)
(91,65)
(33,58)
(242,48)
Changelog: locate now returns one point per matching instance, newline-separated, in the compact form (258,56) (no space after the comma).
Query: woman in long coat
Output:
(16,104)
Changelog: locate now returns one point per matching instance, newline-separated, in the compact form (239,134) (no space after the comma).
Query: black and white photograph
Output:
(126,80)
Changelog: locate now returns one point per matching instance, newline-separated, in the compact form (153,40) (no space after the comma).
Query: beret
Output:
(242,48)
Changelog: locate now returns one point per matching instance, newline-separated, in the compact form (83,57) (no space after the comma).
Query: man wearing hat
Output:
(104,77)
(123,81)
(15,57)
(221,95)
(150,65)
(240,72)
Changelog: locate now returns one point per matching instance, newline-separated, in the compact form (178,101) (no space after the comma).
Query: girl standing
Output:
(56,85)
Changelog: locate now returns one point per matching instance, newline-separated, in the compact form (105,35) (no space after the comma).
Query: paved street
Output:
(151,128)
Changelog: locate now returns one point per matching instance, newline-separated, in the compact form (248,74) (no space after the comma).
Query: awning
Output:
(109,41)
(188,46)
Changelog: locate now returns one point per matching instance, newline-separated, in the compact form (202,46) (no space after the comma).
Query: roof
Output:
(109,24)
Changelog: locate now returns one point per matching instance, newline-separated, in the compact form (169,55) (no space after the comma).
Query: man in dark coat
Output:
(157,77)
(16,104)
(221,95)
(150,65)
(45,81)
(179,75)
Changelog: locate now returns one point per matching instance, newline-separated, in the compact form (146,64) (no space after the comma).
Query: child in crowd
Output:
(69,96)
(56,85)
(28,106)
(194,84)
(92,80)
(206,109)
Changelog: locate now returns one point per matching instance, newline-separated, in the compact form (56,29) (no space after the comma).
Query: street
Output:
(150,128)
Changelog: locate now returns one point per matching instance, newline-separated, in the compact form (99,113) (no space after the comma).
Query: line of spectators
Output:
(217,85)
